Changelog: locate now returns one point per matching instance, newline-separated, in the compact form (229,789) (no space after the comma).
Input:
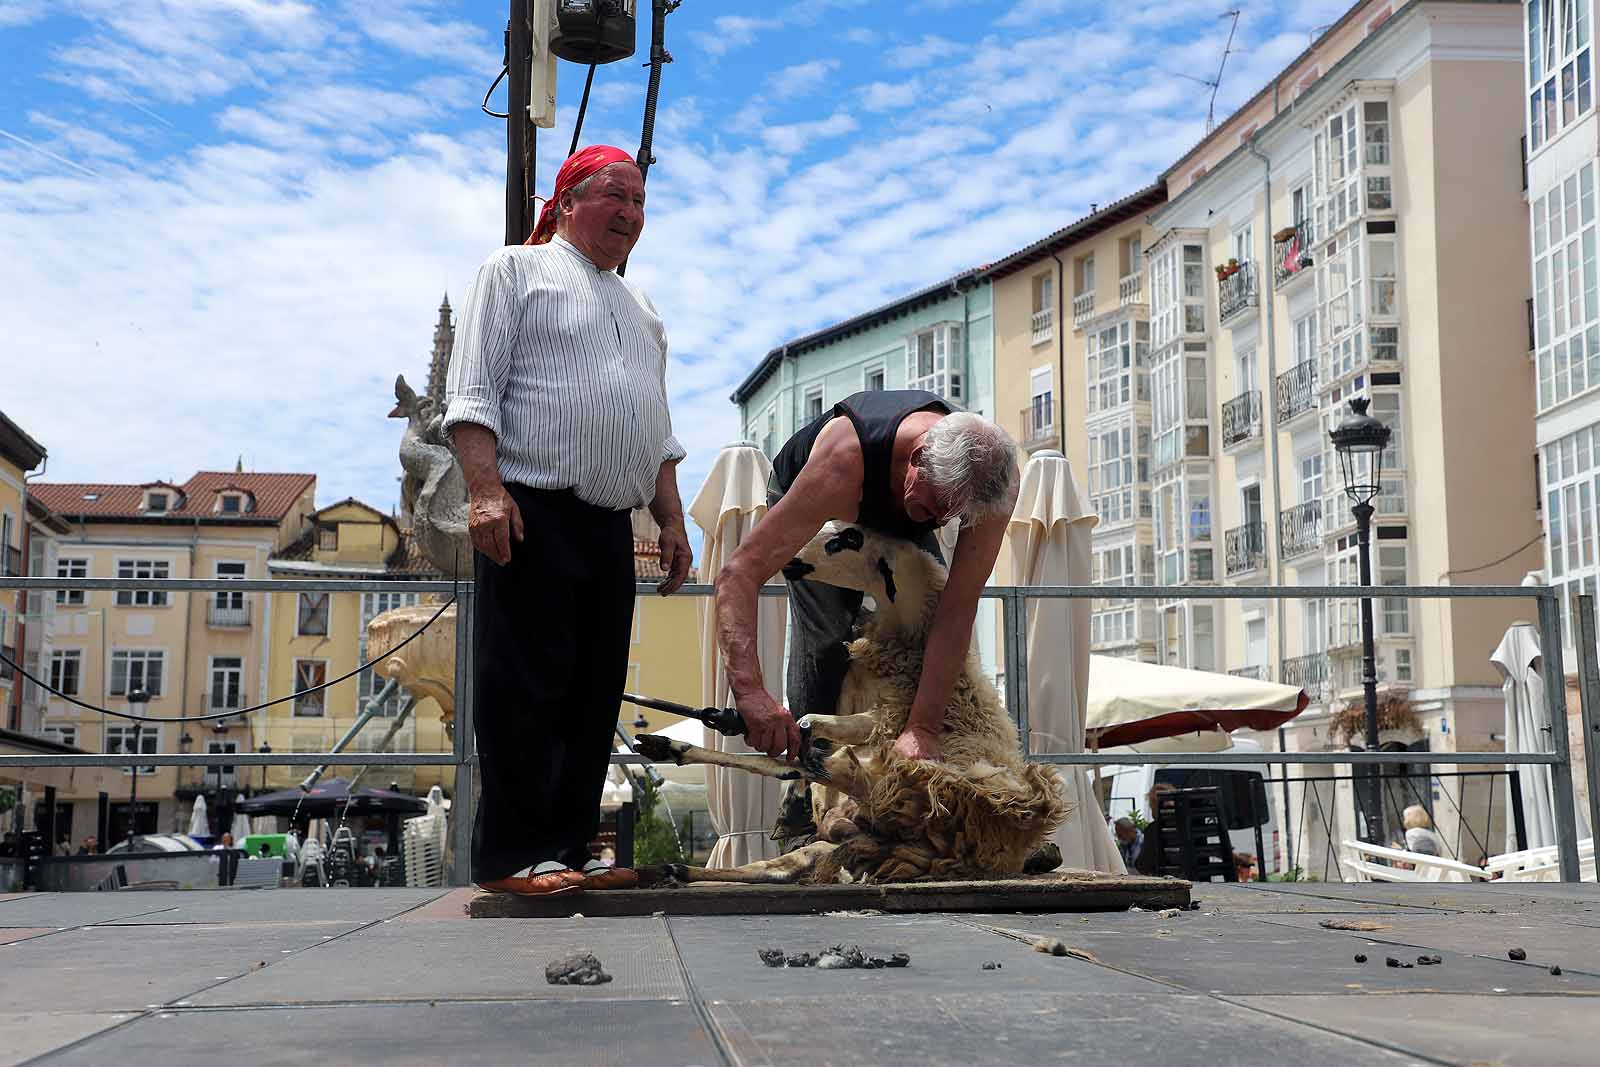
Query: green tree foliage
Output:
(653,838)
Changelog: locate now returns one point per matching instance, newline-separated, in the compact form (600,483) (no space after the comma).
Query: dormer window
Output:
(328,538)
(155,502)
(230,504)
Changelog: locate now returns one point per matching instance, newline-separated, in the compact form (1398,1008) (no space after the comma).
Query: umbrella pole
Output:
(373,707)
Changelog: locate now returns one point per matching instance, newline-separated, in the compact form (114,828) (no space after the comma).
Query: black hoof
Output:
(655,747)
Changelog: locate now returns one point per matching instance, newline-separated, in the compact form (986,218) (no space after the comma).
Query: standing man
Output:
(558,411)
(903,462)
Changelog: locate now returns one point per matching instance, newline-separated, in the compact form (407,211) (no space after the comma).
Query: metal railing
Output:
(1043,321)
(1308,672)
(1237,292)
(1241,418)
(1130,288)
(1082,308)
(1291,256)
(227,615)
(1039,424)
(10,560)
(1260,672)
(1245,548)
(1300,529)
(1297,390)
(1014,604)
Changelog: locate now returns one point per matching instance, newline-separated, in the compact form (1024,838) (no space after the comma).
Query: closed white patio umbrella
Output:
(743,807)
(199,822)
(1049,533)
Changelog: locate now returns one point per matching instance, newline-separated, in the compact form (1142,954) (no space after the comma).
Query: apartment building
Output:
(20,634)
(194,654)
(1344,235)
(1072,373)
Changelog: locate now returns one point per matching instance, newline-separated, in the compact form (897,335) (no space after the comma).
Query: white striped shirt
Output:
(567,364)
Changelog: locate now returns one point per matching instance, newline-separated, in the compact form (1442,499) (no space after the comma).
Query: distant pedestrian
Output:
(1420,834)
(558,412)
(228,862)
(89,847)
(1130,839)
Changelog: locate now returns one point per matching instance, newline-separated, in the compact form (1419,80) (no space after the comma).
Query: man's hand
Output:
(494,522)
(676,557)
(916,742)
(769,727)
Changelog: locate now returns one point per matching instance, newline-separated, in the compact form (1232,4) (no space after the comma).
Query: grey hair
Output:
(971,461)
(578,192)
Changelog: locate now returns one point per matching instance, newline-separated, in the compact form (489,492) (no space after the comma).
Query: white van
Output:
(1123,790)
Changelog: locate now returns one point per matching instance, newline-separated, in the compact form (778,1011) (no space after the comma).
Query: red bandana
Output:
(578,166)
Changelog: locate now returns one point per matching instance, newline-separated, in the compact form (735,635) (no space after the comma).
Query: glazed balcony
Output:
(1237,291)
(1241,418)
(1245,548)
(1300,529)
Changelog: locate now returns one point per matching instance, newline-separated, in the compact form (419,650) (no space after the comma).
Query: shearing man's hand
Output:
(676,558)
(494,523)
(916,742)
(769,726)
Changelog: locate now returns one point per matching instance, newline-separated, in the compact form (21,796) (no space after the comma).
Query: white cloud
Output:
(407,27)
(924,52)
(801,78)
(887,96)
(20,12)
(795,136)
(731,32)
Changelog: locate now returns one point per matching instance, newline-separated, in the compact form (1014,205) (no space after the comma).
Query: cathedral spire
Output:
(444,339)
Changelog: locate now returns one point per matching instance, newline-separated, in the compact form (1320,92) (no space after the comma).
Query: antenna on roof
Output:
(1216,83)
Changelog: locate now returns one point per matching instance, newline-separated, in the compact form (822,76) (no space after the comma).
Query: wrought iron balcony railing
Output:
(1308,672)
(1297,391)
(1082,308)
(1291,253)
(1260,673)
(228,613)
(7,672)
(1237,292)
(1300,529)
(1042,323)
(1039,425)
(1245,548)
(1241,418)
(1130,288)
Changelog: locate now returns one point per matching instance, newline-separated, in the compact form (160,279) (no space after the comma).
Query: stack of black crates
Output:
(1193,833)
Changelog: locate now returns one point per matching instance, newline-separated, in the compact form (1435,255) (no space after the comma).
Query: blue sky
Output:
(225,225)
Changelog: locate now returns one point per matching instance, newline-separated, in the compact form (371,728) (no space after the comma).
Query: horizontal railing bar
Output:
(1093,592)
(442,759)
(1201,759)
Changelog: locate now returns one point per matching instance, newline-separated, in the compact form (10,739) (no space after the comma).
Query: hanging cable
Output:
(47,687)
(505,68)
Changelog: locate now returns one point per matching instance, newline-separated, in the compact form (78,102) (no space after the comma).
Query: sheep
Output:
(981,812)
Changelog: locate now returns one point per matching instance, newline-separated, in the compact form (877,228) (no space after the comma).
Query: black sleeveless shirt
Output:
(876,415)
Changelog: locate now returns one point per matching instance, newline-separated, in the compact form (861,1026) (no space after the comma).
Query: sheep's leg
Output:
(664,749)
(840,729)
(788,868)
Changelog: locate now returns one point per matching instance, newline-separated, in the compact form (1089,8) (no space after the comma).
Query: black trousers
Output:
(550,661)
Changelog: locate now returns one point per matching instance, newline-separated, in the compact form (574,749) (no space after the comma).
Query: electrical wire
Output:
(1535,539)
(237,711)
(484,107)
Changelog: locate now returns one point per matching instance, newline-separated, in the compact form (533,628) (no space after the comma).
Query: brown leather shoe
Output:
(537,885)
(610,878)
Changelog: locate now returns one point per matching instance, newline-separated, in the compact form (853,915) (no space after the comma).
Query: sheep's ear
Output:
(849,538)
(888,578)
(797,569)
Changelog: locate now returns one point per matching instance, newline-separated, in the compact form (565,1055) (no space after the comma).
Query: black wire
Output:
(484,107)
(583,108)
(238,711)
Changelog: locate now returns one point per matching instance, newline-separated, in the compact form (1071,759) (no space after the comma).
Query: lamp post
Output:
(1360,440)
(265,750)
(137,699)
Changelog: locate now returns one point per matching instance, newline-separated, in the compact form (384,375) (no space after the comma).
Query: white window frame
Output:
(371,683)
(143,657)
(871,370)
(227,599)
(59,657)
(304,679)
(945,372)
(143,568)
(236,673)
(72,567)
(61,733)
(120,738)
(813,395)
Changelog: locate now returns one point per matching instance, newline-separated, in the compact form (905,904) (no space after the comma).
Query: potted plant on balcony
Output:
(1227,270)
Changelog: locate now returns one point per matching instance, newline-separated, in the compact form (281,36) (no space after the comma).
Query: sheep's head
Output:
(903,580)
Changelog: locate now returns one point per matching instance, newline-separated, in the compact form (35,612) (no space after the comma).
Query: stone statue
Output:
(433,491)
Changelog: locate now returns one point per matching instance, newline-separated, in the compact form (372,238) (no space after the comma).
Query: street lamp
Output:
(137,699)
(1360,440)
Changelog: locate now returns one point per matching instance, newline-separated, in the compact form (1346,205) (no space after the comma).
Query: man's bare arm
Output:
(492,518)
(667,509)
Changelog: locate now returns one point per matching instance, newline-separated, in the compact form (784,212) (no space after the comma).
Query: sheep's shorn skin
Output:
(978,813)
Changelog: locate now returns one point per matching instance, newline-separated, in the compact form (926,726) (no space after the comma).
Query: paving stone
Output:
(541,1033)
(946,957)
(1435,896)
(24,1035)
(1245,955)
(1499,1030)
(79,909)
(1575,948)
(1224,898)
(468,959)
(287,905)
(962,1029)
(119,968)
(22,933)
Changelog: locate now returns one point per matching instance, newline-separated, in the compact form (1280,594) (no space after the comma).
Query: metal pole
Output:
(1555,690)
(1369,669)
(1008,658)
(1589,702)
(133,798)
(1519,819)
(1020,609)
(1288,819)
(374,706)
(461,791)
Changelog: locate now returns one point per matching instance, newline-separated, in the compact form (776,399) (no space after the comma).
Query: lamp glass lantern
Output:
(1360,441)
(594,31)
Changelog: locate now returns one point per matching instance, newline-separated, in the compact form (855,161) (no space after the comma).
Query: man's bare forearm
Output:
(475,448)
(943,658)
(737,597)
(666,507)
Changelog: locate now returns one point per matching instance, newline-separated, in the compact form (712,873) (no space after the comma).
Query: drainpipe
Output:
(21,603)
(1270,406)
(1061,349)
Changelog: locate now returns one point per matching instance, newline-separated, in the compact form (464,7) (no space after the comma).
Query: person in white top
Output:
(558,411)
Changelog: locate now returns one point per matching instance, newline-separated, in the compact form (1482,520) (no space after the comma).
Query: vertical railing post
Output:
(1555,690)
(1589,701)
(1019,607)
(1008,662)
(461,813)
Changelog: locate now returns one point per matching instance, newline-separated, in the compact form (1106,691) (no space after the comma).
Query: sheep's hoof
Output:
(1044,859)
(663,876)
(658,748)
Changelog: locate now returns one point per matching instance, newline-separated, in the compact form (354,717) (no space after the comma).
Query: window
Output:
(872,381)
(1313,626)
(935,359)
(1392,571)
(1118,364)
(230,504)
(1560,76)
(137,669)
(143,568)
(1041,402)
(1044,293)
(1566,316)
(1375,116)
(71,568)
(221,774)
(1244,242)
(309,673)
(1311,483)
(328,538)
(373,605)
(61,735)
(1381,277)
(813,405)
(66,670)
(1246,363)
(769,442)
(1132,255)
(1572,493)
(227,673)
(229,601)
(1085,275)
(134,738)
(1119,472)
(155,502)
(1305,338)
(312,618)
